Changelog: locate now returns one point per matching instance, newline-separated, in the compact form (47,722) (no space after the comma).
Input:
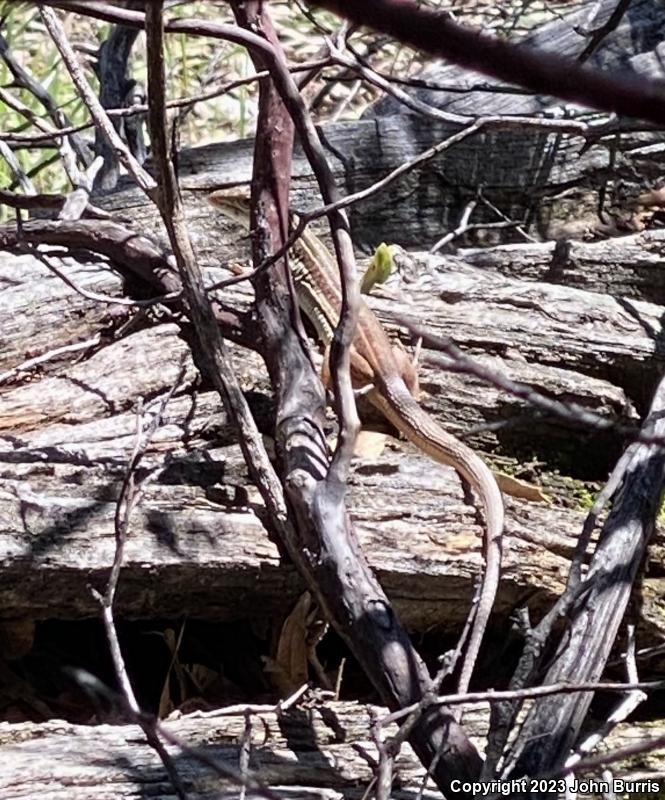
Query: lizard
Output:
(390,379)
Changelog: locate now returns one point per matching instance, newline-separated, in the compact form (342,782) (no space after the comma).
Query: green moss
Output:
(563,489)
(585,495)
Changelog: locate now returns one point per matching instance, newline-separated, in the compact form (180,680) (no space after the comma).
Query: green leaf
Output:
(379,268)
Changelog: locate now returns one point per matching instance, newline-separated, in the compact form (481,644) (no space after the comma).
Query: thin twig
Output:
(32,250)
(23,79)
(130,495)
(458,361)
(491,696)
(461,227)
(494,123)
(94,686)
(24,366)
(18,138)
(212,347)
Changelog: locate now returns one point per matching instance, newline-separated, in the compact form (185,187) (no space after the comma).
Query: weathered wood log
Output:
(69,430)
(325,752)
(602,362)
(550,182)
(199,544)
(630,266)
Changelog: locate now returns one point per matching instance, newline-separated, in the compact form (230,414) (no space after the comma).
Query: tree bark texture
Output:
(200,542)
(305,753)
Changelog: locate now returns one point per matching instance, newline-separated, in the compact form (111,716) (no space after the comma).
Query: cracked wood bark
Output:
(562,187)
(321,753)
(627,267)
(599,350)
(570,181)
(69,430)
(63,461)
(28,500)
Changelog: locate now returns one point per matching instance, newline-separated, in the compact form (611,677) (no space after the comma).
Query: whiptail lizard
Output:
(375,363)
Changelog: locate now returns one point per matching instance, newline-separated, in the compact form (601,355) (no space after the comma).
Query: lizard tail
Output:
(399,406)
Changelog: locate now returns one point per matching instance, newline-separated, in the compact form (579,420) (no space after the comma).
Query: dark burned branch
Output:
(596,36)
(324,544)
(597,613)
(115,91)
(434,32)
(127,250)
(339,227)
(133,255)
(544,72)
(86,93)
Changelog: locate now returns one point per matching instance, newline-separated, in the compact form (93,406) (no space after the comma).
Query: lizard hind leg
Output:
(369,443)
(361,373)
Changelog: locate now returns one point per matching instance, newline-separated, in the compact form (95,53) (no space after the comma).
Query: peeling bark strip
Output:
(595,618)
